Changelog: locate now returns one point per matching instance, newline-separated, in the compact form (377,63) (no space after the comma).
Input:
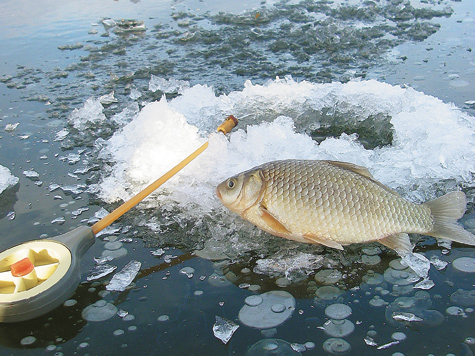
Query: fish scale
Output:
(335,204)
(340,203)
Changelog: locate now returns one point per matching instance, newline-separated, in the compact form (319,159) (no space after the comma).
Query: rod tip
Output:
(228,124)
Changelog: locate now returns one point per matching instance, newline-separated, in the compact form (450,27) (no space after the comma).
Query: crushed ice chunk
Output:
(7,179)
(289,263)
(426,283)
(84,170)
(107,99)
(72,158)
(135,94)
(121,280)
(87,116)
(59,220)
(79,211)
(370,341)
(125,115)
(52,187)
(405,316)
(224,329)
(74,189)
(167,86)
(110,230)
(444,243)
(31,174)
(158,252)
(109,22)
(101,213)
(100,271)
(61,135)
(388,345)
(188,271)
(438,263)
(417,262)
(11,127)
(102,259)
(298,347)
(122,313)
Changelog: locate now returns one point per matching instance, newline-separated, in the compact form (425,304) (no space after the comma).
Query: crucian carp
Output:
(337,203)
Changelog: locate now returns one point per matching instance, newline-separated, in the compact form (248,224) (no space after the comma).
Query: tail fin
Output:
(446,210)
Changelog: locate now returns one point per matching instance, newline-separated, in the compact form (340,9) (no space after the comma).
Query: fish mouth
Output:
(218,193)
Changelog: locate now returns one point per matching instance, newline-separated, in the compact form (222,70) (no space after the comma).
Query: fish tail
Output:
(446,210)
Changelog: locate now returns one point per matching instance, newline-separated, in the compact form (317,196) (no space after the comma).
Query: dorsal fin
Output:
(363,171)
(352,167)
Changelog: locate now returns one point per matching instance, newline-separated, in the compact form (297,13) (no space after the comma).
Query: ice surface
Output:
(121,280)
(432,141)
(224,329)
(7,179)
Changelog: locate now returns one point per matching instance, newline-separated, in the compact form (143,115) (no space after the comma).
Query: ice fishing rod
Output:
(38,276)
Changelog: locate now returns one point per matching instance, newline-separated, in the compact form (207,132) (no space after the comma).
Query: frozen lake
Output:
(99,100)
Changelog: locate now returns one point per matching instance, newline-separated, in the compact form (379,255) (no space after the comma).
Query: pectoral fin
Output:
(322,241)
(274,225)
(398,242)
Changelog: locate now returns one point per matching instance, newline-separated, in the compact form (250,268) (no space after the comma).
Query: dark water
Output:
(57,55)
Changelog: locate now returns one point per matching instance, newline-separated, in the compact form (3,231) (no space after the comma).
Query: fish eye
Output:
(231,183)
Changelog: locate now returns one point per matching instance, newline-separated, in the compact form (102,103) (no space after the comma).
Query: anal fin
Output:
(322,241)
(399,242)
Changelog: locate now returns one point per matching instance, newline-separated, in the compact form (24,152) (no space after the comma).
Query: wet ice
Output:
(224,329)
(7,179)
(417,262)
(121,280)
(100,271)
